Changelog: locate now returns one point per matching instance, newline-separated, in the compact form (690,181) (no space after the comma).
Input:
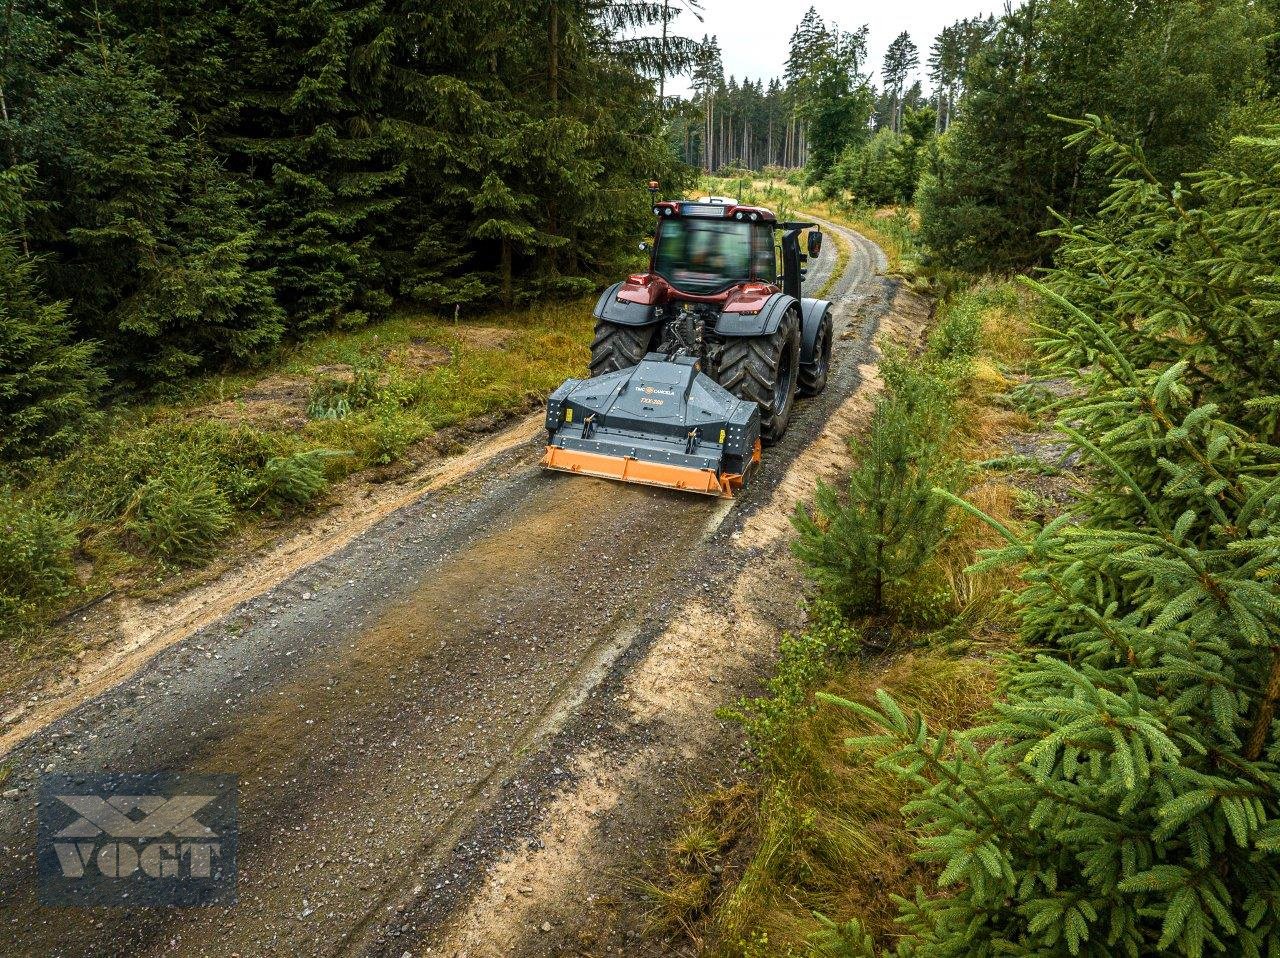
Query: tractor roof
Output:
(715,207)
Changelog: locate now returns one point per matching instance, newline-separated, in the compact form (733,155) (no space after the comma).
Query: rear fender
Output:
(763,323)
(613,310)
(812,314)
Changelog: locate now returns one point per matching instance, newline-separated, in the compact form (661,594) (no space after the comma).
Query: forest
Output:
(187,185)
(1035,719)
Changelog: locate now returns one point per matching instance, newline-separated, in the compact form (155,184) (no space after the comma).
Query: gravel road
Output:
(400,713)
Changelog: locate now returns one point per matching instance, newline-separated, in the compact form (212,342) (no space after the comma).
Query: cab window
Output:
(704,256)
(764,257)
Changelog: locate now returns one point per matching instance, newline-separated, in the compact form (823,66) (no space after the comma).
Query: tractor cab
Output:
(700,252)
(706,247)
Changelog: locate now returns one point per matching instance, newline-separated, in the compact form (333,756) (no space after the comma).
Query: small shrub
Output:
(180,515)
(804,661)
(387,438)
(877,535)
(921,391)
(36,567)
(958,334)
(294,480)
(102,482)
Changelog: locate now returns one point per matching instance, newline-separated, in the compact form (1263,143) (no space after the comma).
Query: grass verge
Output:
(807,857)
(162,487)
(844,250)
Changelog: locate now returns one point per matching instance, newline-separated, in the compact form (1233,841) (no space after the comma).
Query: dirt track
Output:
(462,726)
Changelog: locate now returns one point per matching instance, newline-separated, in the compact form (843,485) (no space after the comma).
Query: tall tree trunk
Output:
(707,133)
(506,272)
(553,52)
(720,142)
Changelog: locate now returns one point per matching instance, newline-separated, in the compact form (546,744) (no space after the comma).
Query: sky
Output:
(754,33)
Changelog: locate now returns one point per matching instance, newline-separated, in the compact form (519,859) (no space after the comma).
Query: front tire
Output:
(618,347)
(813,375)
(765,369)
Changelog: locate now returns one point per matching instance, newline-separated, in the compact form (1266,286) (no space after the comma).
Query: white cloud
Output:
(754,34)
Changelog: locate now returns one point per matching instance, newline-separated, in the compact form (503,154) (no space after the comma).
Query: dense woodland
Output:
(185,185)
(984,146)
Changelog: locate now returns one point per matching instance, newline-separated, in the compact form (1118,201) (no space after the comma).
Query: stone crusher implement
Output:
(697,363)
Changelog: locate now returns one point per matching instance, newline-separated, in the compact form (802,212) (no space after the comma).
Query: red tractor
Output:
(697,362)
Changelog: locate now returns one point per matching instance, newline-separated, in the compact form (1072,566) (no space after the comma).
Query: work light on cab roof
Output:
(697,362)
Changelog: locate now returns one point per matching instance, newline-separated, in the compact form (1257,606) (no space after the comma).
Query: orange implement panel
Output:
(625,469)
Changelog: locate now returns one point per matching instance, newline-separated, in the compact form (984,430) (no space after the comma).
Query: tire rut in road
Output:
(364,727)
(553,881)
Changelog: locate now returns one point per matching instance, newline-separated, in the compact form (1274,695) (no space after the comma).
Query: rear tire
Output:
(765,369)
(619,347)
(813,376)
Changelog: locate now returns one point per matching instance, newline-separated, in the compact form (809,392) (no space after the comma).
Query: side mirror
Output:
(815,243)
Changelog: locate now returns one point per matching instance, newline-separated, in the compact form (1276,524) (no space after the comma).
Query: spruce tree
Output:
(323,179)
(501,217)
(837,104)
(900,60)
(1124,798)
(150,245)
(48,383)
(863,544)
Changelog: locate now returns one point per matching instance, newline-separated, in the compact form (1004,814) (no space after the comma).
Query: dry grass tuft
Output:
(981,596)
(828,835)
(689,878)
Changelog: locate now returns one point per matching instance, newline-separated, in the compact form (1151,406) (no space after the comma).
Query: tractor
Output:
(697,363)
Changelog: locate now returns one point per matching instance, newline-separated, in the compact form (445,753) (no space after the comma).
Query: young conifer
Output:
(48,384)
(1124,798)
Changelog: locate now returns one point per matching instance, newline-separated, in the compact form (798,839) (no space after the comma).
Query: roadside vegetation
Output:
(1034,710)
(234,241)
(161,487)
(815,836)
